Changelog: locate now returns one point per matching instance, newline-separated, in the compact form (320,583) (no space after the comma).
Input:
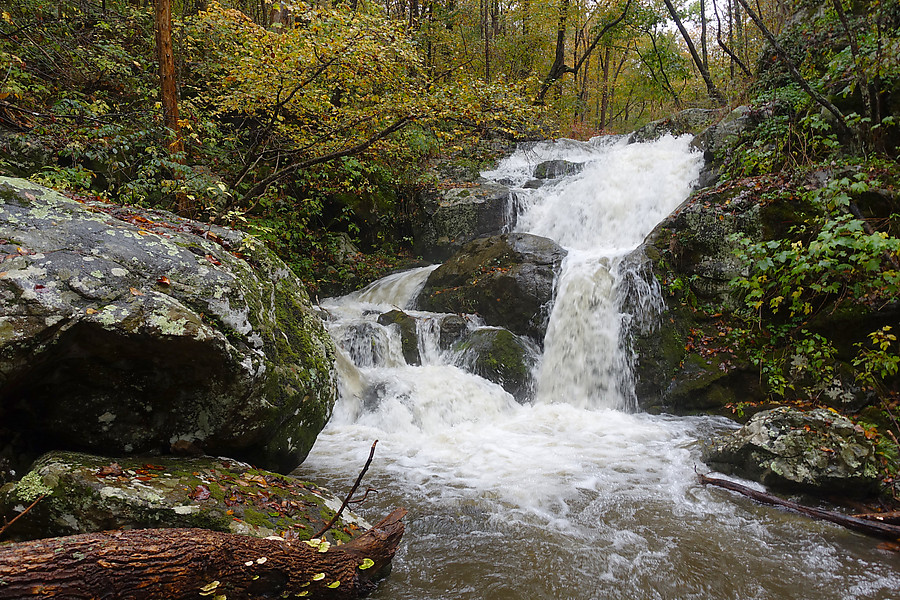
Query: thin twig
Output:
(364,496)
(21,514)
(350,495)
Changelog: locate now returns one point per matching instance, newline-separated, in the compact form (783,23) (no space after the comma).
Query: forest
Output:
(315,129)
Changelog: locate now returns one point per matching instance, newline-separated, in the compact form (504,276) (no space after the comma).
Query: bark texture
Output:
(190,563)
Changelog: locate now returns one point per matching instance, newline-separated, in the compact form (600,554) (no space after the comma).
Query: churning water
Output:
(572,495)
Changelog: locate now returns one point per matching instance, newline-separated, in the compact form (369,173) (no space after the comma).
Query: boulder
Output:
(127,331)
(502,357)
(444,220)
(86,493)
(553,169)
(507,280)
(691,120)
(409,338)
(817,451)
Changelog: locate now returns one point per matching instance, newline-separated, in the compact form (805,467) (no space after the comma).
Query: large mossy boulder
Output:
(445,219)
(127,331)
(817,451)
(507,280)
(502,357)
(84,493)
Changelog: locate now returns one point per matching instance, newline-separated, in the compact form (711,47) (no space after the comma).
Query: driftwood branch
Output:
(176,564)
(337,515)
(873,528)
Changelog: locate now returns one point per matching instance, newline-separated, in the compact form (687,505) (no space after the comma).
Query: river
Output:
(574,494)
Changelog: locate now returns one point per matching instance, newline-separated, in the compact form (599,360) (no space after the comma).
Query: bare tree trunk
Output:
(169,91)
(735,59)
(176,564)
(711,88)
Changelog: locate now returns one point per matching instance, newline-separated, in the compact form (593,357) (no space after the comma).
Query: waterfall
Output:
(600,215)
(569,495)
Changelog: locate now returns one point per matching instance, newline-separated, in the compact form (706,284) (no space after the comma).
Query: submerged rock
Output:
(85,493)
(502,357)
(126,331)
(507,280)
(817,451)
(444,220)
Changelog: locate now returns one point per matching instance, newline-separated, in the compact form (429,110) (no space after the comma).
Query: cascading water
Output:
(566,496)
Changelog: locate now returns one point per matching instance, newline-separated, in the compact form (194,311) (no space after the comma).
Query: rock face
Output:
(506,279)
(445,220)
(715,140)
(129,331)
(818,451)
(87,493)
(502,357)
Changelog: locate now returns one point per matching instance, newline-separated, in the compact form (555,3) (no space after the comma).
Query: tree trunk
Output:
(176,564)
(169,91)
(711,88)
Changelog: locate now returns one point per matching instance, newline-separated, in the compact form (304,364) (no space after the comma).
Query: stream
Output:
(575,494)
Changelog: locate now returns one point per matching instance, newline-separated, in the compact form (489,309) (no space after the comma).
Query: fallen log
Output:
(892,517)
(873,528)
(182,563)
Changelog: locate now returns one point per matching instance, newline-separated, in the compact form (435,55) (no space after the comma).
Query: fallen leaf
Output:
(110,470)
(163,280)
(91,311)
(136,292)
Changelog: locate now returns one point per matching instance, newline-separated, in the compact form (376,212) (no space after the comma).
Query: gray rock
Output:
(86,493)
(444,220)
(124,330)
(553,169)
(502,357)
(817,451)
(506,279)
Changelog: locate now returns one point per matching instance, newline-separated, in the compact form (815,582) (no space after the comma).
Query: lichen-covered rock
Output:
(409,339)
(85,493)
(123,330)
(507,280)
(444,220)
(552,169)
(502,357)
(817,451)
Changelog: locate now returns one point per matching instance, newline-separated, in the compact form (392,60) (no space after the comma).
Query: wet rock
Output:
(444,220)
(502,357)
(817,451)
(409,339)
(452,329)
(124,331)
(691,120)
(85,493)
(553,169)
(507,280)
